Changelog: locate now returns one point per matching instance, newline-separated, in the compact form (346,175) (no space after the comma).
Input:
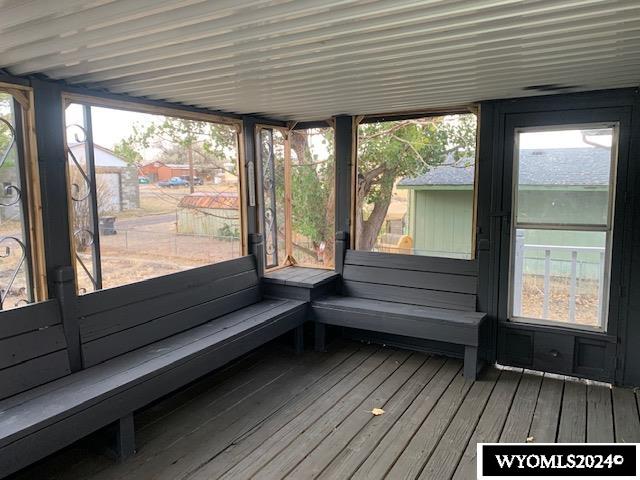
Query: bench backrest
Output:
(427,281)
(118,320)
(33,348)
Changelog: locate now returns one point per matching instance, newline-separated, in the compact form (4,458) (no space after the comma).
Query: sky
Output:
(109,125)
(562,139)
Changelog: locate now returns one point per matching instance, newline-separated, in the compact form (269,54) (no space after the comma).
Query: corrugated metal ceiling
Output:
(311,59)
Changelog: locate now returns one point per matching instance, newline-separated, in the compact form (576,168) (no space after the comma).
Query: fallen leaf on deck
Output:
(377,411)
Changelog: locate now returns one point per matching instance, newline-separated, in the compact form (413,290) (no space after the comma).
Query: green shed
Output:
(568,182)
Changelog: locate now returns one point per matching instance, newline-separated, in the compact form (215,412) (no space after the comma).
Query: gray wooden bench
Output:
(417,297)
(138,343)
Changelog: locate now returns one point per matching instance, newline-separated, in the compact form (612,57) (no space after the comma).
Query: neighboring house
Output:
(117,180)
(441,201)
(213,214)
(160,171)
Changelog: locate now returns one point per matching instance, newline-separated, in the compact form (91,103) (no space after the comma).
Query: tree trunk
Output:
(367,230)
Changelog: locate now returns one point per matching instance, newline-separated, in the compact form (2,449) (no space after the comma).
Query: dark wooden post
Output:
(256,247)
(344,138)
(125,444)
(342,244)
(65,292)
(250,166)
(52,160)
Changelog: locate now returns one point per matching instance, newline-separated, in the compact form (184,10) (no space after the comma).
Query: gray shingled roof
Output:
(552,166)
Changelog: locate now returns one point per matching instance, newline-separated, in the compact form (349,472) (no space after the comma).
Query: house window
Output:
(415,186)
(297,176)
(562,224)
(151,194)
(21,277)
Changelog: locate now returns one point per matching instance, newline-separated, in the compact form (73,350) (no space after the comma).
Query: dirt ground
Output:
(586,300)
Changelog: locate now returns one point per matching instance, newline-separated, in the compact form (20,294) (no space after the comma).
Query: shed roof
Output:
(102,156)
(175,166)
(212,200)
(548,167)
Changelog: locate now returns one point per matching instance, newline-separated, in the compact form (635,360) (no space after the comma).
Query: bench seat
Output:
(406,296)
(417,321)
(41,420)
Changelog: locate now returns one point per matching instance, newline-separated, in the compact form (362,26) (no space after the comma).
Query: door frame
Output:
(595,355)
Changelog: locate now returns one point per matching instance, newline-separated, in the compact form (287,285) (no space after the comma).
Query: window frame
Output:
(88,101)
(35,267)
(607,228)
(289,259)
(398,116)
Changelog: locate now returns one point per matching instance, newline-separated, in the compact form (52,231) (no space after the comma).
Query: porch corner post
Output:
(344,151)
(65,292)
(250,166)
(256,247)
(342,244)
(49,134)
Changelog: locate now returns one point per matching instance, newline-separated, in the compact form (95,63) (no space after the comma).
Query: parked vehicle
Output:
(174,182)
(196,180)
(143,180)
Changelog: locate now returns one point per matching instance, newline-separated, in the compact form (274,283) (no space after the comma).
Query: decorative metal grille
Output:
(269,208)
(16,285)
(84,211)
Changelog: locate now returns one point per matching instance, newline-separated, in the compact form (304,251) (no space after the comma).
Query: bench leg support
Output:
(320,337)
(471,363)
(125,444)
(298,339)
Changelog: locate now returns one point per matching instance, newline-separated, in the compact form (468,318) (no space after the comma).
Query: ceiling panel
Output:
(311,59)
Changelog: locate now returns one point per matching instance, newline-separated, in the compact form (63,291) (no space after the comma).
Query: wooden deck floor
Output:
(277,415)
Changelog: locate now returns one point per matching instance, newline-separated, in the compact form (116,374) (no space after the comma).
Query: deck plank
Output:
(449,450)
(599,414)
(218,463)
(339,436)
(625,414)
(205,433)
(490,424)
(425,440)
(279,415)
(374,368)
(572,427)
(544,427)
(394,442)
(308,438)
(361,446)
(321,443)
(518,423)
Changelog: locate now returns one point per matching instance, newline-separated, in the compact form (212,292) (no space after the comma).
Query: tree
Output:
(387,152)
(127,150)
(204,146)
(313,190)
(390,151)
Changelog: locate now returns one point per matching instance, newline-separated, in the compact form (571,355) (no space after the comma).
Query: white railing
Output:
(519,271)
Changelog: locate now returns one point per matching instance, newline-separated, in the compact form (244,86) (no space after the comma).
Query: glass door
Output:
(561,224)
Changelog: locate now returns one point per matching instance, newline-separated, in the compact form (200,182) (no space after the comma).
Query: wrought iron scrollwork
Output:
(84,238)
(8,189)
(269,189)
(14,251)
(76,196)
(11,188)
(12,142)
(6,252)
